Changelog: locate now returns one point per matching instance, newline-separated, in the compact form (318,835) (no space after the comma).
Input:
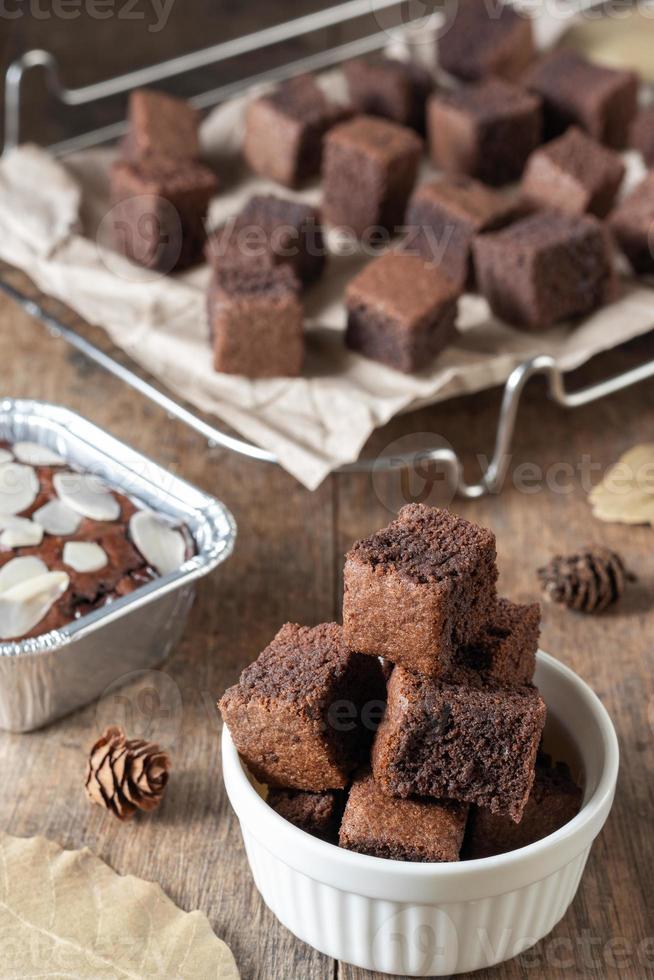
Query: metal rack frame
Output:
(352,10)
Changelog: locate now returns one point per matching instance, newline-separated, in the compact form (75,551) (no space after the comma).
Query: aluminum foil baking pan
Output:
(43,678)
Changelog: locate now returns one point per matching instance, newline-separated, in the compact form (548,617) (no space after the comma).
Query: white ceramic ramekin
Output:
(433,919)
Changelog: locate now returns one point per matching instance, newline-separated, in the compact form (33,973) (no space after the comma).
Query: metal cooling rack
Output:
(300,27)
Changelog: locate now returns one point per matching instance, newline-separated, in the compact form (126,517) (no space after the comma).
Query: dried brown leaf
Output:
(626,494)
(67,914)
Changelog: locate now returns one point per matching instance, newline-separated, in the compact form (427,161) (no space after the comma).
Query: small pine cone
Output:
(588,581)
(125,775)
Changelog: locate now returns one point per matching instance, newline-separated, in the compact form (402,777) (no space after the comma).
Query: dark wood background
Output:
(287,566)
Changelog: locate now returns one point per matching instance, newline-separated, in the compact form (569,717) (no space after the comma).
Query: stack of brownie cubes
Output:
(412,732)
(265,257)
(262,260)
(160,189)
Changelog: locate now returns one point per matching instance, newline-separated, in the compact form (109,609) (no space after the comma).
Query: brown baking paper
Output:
(67,914)
(55,224)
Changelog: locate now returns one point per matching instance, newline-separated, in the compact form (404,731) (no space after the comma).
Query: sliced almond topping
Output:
(162,546)
(20,570)
(36,455)
(84,556)
(19,486)
(55,518)
(23,606)
(19,532)
(87,495)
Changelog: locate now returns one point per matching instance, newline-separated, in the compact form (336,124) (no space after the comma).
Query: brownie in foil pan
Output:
(99,551)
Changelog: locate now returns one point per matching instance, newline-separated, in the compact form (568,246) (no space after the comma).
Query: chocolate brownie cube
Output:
(396,90)
(160,126)
(302,714)
(480,40)
(400,311)
(506,648)
(487,130)
(402,830)
(575,92)
(554,800)
(573,173)
(641,136)
(284,131)
(471,740)
(318,814)
(256,322)
(159,211)
(632,225)
(271,231)
(544,269)
(369,170)
(444,215)
(420,588)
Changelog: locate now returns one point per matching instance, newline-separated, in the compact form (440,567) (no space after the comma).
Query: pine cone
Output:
(125,775)
(588,581)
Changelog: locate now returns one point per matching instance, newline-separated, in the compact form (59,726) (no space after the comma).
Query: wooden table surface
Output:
(287,566)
